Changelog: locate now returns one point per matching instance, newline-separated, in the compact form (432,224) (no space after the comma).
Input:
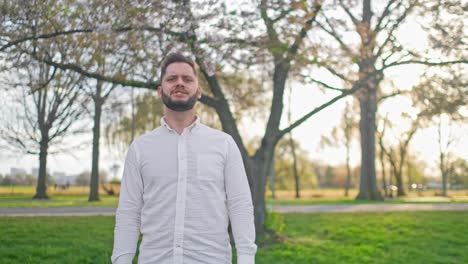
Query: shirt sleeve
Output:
(239,204)
(127,218)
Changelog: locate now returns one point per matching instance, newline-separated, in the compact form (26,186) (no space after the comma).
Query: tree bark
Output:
(296,173)
(94,181)
(368,185)
(41,188)
(368,104)
(348,171)
(399,182)
(382,167)
(259,167)
(442,158)
(273,180)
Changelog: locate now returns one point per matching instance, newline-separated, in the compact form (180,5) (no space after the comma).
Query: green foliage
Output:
(415,172)
(274,222)
(284,167)
(115,181)
(148,111)
(458,173)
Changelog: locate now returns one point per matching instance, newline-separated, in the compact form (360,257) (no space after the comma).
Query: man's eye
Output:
(188,79)
(170,79)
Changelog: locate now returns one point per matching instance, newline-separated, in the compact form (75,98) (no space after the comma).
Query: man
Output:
(182,184)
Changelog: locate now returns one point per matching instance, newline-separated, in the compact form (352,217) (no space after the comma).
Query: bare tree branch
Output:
(384,97)
(385,13)
(393,28)
(307,25)
(427,63)
(332,32)
(327,86)
(318,109)
(272,34)
(115,80)
(43,36)
(346,9)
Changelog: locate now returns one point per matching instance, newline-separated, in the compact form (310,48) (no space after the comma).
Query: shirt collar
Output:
(195,124)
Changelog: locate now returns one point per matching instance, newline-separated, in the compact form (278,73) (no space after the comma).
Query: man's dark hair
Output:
(173,58)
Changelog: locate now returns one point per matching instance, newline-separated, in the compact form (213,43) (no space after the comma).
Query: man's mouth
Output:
(178,92)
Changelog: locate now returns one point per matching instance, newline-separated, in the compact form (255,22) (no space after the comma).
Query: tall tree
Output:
(284,166)
(51,109)
(442,98)
(343,135)
(397,155)
(366,34)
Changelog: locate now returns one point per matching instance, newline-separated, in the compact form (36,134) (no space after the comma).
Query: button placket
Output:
(180,200)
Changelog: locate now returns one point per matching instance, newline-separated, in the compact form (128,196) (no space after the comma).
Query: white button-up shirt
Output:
(179,192)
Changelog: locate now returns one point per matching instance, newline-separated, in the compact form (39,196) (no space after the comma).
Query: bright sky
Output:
(308,134)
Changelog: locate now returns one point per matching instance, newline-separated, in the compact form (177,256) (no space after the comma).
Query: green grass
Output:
(57,200)
(56,240)
(21,196)
(403,237)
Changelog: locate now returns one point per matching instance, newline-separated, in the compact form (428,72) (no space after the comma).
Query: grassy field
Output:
(78,196)
(21,196)
(403,237)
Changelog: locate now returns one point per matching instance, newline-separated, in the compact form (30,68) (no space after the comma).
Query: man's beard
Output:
(178,106)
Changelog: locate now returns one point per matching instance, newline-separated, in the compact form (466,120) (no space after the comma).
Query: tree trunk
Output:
(410,176)
(296,173)
(382,167)
(399,176)
(368,184)
(273,180)
(348,172)
(442,158)
(443,171)
(399,183)
(41,188)
(368,104)
(94,181)
(258,167)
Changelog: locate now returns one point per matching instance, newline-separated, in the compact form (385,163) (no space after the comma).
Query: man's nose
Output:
(179,82)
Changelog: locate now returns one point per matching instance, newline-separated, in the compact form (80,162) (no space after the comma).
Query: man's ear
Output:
(158,90)
(199,92)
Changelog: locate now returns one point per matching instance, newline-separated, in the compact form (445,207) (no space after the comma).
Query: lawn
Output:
(78,196)
(21,196)
(400,237)
(57,200)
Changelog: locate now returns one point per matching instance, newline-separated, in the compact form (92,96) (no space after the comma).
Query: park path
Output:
(353,208)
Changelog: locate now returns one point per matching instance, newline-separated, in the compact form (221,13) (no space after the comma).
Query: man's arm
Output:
(127,218)
(239,203)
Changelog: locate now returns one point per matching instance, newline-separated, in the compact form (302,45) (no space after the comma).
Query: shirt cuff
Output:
(124,259)
(245,259)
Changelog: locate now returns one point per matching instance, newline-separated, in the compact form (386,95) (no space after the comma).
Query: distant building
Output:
(17,172)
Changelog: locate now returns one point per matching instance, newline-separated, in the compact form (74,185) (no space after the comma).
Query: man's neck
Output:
(179,120)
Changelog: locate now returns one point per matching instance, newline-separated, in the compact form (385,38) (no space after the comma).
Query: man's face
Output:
(179,87)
